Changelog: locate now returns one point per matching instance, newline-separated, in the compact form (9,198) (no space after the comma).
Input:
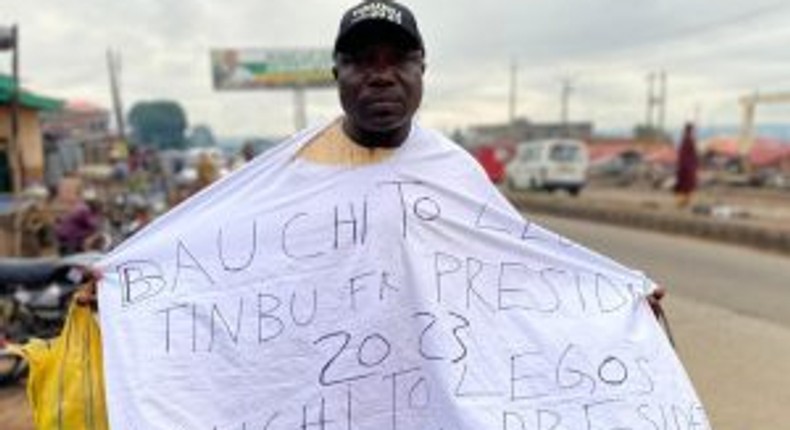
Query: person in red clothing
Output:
(686,175)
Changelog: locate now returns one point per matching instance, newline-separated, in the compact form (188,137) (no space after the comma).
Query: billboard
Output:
(245,69)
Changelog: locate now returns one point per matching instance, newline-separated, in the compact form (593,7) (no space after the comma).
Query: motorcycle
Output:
(34,298)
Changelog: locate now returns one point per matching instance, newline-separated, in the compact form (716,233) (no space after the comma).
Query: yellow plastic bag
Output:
(66,383)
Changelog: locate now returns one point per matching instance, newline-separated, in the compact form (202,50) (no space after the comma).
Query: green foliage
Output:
(159,123)
(202,136)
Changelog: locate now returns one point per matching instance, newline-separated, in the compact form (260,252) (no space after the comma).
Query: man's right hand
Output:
(86,294)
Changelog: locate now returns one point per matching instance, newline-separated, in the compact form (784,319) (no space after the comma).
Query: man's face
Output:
(380,84)
(230,58)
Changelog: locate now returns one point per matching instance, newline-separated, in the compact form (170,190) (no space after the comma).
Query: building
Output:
(84,123)
(26,160)
(522,129)
(21,159)
(75,135)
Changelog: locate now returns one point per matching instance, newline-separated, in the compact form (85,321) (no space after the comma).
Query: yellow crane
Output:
(748,105)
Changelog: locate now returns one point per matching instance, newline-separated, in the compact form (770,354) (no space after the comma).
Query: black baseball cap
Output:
(377,19)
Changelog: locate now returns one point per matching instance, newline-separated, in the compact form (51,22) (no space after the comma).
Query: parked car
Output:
(549,164)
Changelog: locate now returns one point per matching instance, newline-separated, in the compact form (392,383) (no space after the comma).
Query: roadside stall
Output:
(21,159)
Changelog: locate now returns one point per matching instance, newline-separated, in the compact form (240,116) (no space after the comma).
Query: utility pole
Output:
(15,144)
(656,102)
(9,40)
(565,95)
(662,107)
(649,114)
(114,69)
(513,91)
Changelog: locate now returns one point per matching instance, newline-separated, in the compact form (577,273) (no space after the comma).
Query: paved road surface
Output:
(730,311)
(755,284)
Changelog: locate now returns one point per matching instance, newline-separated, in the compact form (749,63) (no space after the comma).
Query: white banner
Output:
(407,294)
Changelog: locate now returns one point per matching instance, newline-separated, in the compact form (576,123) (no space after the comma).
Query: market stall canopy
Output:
(26,98)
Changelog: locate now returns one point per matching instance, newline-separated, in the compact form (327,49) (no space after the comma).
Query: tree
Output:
(159,123)
(202,136)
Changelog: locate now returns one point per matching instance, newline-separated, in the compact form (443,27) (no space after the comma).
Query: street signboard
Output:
(246,69)
(7,38)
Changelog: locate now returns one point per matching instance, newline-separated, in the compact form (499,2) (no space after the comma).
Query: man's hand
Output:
(654,300)
(86,295)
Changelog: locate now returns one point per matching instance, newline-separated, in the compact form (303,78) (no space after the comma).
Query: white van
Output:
(549,164)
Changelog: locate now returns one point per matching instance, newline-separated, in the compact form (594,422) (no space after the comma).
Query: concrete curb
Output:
(648,218)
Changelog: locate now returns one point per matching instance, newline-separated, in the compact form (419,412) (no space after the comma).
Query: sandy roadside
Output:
(763,208)
(739,365)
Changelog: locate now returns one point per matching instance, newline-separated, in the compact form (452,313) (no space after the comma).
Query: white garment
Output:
(407,294)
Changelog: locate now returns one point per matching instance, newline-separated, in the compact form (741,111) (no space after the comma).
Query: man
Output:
(229,72)
(367,274)
(379,64)
(379,59)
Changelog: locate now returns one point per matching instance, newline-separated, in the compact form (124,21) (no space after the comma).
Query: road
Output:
(730,312)
(755,284)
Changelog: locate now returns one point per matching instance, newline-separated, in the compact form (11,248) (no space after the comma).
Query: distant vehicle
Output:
(493,159)
(549,164)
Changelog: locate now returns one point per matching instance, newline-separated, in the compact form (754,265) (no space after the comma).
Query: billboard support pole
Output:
(300,114)
(9,39)
(294,69)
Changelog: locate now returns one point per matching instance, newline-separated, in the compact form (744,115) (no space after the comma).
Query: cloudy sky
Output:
(713,51)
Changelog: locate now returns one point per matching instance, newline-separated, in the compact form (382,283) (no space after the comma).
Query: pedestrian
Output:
(688,163)
(246,154)
(77,230)
(207,170)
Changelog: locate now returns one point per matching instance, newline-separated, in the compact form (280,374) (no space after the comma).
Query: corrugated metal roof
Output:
(26,98)
(764,151)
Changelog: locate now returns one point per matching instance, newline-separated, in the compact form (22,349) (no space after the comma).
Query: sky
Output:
(713,52)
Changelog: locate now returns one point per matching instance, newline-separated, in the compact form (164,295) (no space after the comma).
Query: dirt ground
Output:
(739,365)
(753,206)
(14,410)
